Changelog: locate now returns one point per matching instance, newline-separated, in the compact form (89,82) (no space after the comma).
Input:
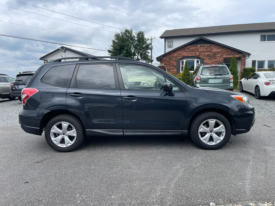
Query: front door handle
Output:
(76,94)
(130,97)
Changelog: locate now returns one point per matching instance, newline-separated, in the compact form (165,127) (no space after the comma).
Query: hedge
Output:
(247,72)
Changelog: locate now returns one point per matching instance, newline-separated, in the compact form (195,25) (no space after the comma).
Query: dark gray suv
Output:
(74,99)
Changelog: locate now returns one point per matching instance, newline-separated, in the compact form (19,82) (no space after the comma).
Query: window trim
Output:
(186,59)
(257,64)
(266,38)
(150,67)
(74,82)
(50,69)
(172,45)
(268,65)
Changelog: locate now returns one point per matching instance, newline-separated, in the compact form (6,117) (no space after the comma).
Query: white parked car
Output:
(259,83)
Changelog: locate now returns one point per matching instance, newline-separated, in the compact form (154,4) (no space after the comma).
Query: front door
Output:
(146,108)
(94,95)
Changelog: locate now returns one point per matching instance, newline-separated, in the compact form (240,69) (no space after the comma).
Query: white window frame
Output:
(268,65)
(182,63)
(266,38)
(257,64)
(170,45)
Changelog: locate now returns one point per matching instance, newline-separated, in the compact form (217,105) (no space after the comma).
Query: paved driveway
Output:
(137,170)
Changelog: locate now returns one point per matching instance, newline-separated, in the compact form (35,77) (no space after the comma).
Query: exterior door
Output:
(252,81)
(146,108)
(5,85)
(94,95)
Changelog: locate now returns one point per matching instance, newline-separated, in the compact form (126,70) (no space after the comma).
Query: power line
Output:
(49,42)
(67,15)
(57,18)
(48,30)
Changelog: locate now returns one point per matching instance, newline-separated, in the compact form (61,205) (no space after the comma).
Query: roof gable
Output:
(67,48)
(226,29)
(202,40)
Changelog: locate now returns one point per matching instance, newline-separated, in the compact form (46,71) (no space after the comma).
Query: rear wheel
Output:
(258,92)
(241,87)
(210,130)
(19,98)
(11,97)
(64,133)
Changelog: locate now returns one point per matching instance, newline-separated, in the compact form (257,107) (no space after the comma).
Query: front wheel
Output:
(258,93)
(241,87)
(64,133)
(210,131)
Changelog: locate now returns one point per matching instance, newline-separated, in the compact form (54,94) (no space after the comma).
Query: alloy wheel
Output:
(63,134)
(212,132)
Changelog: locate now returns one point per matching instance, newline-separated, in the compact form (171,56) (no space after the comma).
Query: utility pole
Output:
(152,47)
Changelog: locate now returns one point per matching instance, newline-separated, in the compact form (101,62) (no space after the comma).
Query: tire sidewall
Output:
(199,120)
(257,97)
(241,87)
(77,125)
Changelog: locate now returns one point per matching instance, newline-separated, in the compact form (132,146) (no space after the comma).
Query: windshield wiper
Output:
(218,74)
(18,80)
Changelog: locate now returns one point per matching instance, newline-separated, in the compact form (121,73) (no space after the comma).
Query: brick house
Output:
(253,45)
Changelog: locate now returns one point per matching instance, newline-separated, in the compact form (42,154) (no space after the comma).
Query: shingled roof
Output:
(227,29)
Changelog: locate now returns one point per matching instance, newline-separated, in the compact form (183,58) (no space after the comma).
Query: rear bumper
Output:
(29,122)
(218,86)
(15,93)
(272,94)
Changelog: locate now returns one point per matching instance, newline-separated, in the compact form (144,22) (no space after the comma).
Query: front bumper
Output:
(245,121)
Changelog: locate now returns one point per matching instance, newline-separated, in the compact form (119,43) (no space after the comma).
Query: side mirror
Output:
(246,77)
(168,88)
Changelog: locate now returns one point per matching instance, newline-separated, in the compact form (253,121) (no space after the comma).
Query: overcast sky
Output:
(151,16)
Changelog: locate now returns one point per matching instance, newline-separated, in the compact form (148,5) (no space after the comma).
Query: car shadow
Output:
(137,141)
(7,100)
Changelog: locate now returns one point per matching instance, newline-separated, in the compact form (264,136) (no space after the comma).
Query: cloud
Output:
(153,17)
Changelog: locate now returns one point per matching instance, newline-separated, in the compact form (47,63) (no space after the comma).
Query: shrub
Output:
(234,71)
(185,75)
(247,72)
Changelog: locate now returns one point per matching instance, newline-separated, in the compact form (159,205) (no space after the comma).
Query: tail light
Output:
(11,84)
(231,78)
(27,93)
(198,78)
(267,83)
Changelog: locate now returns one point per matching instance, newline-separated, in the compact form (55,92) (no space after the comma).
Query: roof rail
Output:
(87,58)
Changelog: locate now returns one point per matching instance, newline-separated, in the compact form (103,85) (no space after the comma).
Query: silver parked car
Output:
(5,84)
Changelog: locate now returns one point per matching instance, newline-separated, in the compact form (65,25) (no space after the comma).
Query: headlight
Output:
(241,98)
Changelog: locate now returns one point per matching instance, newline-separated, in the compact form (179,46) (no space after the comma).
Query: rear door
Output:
(251,82)
(94,95)
(215,76)
(146,108)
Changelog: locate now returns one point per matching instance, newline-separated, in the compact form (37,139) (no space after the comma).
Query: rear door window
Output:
(96,76)
(59,76)
(214,71)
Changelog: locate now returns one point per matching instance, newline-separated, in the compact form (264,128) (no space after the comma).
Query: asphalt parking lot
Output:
(137,170)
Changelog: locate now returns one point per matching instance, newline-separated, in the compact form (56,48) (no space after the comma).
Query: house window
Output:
(170,43)
(192,64)
(269,37)
(260,64)
(271,64)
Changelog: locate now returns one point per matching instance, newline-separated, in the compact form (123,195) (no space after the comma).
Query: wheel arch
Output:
(56,112)
(221,111)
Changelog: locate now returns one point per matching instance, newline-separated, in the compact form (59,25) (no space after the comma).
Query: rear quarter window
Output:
(59,76)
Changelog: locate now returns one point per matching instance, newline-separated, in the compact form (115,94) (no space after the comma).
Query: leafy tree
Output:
(234,72)
(185,74)
(132,45)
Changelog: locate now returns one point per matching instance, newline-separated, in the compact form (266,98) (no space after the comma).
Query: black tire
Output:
(241,87)
(202,118)
(76,124)
(258,92)
(11,97)
(19,98)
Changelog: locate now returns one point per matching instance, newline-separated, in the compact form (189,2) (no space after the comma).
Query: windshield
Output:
(212,71)
(270,75)
(24,78)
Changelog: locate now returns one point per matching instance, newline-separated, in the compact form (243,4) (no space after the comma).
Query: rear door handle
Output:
(76,94)
(130,98)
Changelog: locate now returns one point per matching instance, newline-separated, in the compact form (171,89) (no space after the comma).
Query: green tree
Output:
(234,71)
(185,74)
(132,45)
